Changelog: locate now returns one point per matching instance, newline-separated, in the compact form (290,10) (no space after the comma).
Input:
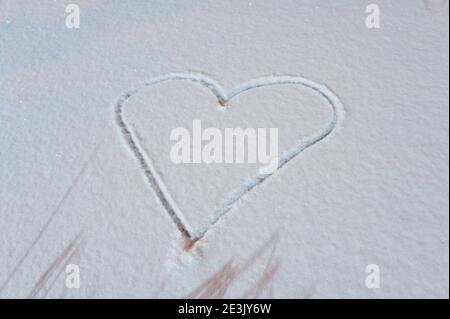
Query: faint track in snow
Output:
(55,269)
(49,220)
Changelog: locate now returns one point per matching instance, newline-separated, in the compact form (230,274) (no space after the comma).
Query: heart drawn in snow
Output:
(223,97)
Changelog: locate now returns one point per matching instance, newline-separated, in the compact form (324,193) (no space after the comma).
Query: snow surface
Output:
(375,191)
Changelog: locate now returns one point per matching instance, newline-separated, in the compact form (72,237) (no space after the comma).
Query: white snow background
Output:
(374,192)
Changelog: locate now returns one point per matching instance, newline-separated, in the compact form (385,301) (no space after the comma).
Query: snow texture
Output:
(73,190)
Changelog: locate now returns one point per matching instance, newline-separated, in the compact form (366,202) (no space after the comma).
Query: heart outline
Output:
(223,97)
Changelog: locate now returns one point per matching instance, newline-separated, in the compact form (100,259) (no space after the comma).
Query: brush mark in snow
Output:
(223,97)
